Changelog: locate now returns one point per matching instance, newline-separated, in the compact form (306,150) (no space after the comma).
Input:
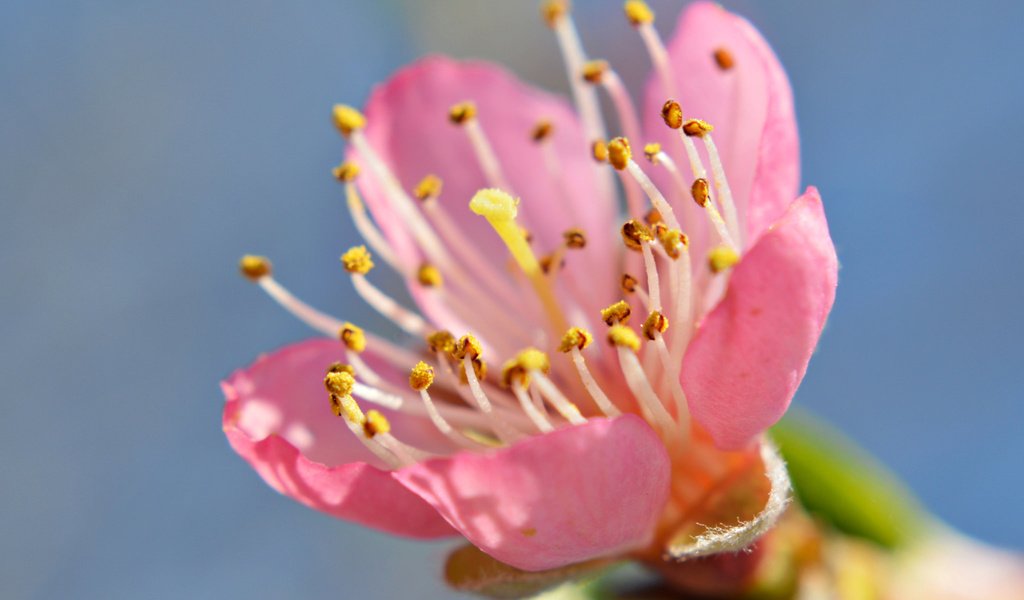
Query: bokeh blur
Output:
(146,145)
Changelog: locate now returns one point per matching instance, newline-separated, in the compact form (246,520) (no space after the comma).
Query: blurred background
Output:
(145,146)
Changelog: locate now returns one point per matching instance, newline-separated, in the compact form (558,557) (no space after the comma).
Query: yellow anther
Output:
(655,323)
(353,337)
(340,367)
(553,10)
(357,260)
(547,262)
(672,240)
(653,216)
(575,238)
(638,12)
(672,114)
(616,313)
(376,423)
(619,153)
(576,337)
(533,359)
(347,119)
(697,128)
(724,59)
(542,130)
(594,70)
(469,346)
(254,267)
(721,258)
(620,335)
(599,150)
(462,112)
(651,151)
(428,188)
(441,341)
(339,383)
(346,172)
(421,376)
(512,371)
(635,234)
(429,276)
(628,283)
(479,369)
(701,192)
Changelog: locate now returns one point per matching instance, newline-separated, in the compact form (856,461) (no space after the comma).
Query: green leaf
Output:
(843,485)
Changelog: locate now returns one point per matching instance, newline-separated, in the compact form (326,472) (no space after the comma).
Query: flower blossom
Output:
(584,380)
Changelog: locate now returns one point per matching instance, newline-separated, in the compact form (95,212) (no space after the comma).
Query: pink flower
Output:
(503,422)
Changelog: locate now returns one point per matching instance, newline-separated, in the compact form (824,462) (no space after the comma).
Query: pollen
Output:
(512,372)
(724,59)
(721,258)
(594,70)
(357,260)
(701,191)
(347,119)
(429,276)
(599,150)
(339,383)
(628,283)
(421,376)
(462,113)
(533,359)
(353,337)
(441,341)
(651,151)
(697,128)
(575,238)
(576,337)
(428,188)
(376,423)
(638,12)
(494,205)
(672,240)
(469,346)
(655,323)
(635,233)
(542,130)
(553,11)
(340,367)
(346,172)
(254,267)
(619,153)
(616,313)
(672,114)
(620,335)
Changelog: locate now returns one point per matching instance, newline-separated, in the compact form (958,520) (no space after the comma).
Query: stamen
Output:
(724,59)
(721,258)
(638,236)
(378,428)
(702,196)
(348,408)
(420,379)
(722,185)
(429,276)
(641,17)
(599,150)
(574,341)
(621,158)
(347,119)
(627,343)
(534,413)
(464,114)
(655,323)
(628,283)
(536,364)
(255,268)
(617,313)
(347,173)
(358,262)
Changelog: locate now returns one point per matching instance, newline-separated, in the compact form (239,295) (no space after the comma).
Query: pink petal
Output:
(278,419)
(751,351)
(750,106)
(578,493)
(408,126)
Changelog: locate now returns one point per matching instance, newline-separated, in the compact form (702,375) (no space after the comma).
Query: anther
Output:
(599,150)
(623,337)
(357,260)
(701,192)
(375,424)
(429,276)
(653,216)
(638,12)
(532,359)
(254,267)
(724,59)
(697,128)
(576,337)
(651,151)
(469,346)
(672,114)
(594,70)
(553,10)
(655,323)
(721,258)
(672,240)
(346,172)
(619,153)
(347,119)
(421,377)
(340,367)
(575,238)
(353,337)
(628,283)
(428,188)
(616,313)
(512,372)
(635,234)
(339,383)
(462,113)
(547,262)
(442,341)
(542,130)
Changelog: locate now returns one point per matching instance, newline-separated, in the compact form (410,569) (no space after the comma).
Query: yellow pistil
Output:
(357,260)
(441,341)
(429,276)
(638,12)
(619,153)
(576,337)
(672,240)
(628,283)
(701,192)
(376,423)
(428,188)
(353,337)
(339,383)
(651,151)
(575,238)
(620,335)
(635,234)
(347,119)
(672,114)
(697,128)
(724,59)
(340,367)
(462,112)
(346,172)
(500,210)
(594,70)
(421,376)
(542,130)
(469,346)
(616,313)
(599,150)
(553,11)
(721,258)
(254,267)
(655,323)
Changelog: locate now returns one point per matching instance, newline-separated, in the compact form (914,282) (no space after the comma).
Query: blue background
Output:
(144,146)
